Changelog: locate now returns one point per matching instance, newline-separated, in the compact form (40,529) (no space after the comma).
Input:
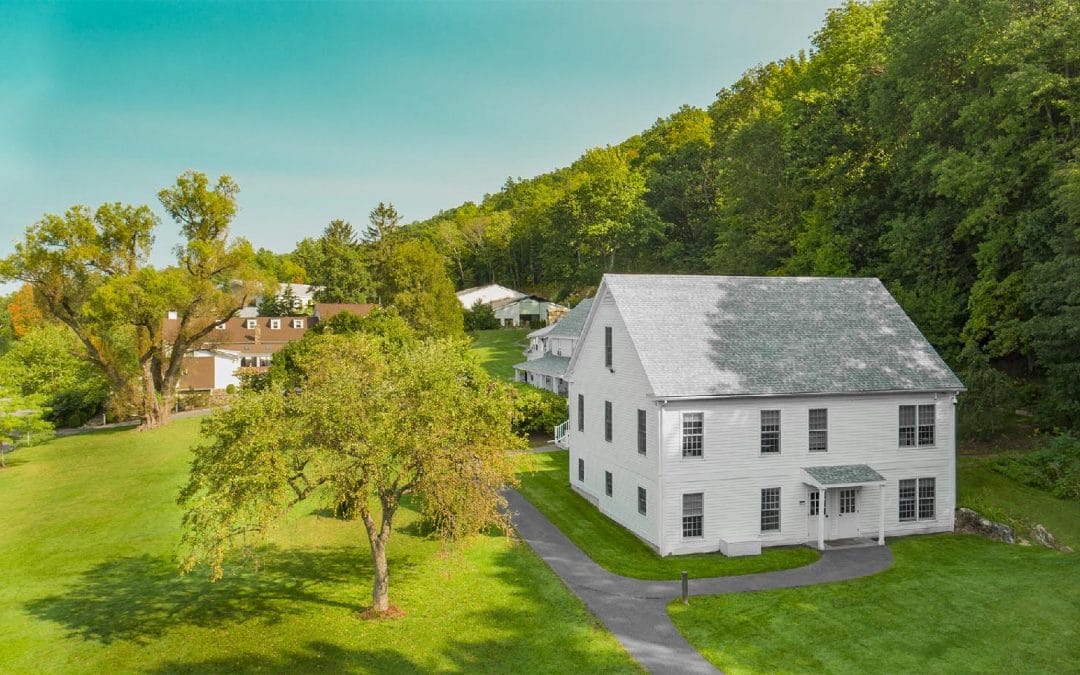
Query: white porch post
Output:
(881,516)
(821,518)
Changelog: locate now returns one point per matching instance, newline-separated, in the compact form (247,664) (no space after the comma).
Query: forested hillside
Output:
(931,144)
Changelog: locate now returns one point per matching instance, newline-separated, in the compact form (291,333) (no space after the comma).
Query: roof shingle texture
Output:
(731,336)
(844,473)
(571,324)
(546,365)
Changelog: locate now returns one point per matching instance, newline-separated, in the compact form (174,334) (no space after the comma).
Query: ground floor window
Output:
(918,499)
(607,483)
(927,510)
(642,502)
(907,499)
(770,510)
(581,470)
(693,515)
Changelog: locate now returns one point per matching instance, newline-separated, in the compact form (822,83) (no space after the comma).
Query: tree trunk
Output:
(155,411)
(378,535)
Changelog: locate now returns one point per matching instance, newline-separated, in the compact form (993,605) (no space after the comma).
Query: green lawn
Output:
(498,350)
(951,603)
(89,583)
(996,496)
(544,482)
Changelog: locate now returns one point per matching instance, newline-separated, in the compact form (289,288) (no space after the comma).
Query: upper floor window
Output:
(819,429)
(221,326)
(607,421)
(693,434)
(275,324)
(297,323)
(607,347)
(642,501)
(249,324)
(770,509)
(581,470)
(916,425)
(770,431)
(607,483)
(580,412)
(641,432)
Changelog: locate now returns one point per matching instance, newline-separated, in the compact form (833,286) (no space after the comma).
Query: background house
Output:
(550,349)
(512,308)
(734,413)
(244,342)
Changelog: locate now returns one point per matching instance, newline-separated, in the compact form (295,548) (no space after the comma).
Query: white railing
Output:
(561,435)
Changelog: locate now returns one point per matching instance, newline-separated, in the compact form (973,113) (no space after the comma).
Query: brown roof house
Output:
(247,343)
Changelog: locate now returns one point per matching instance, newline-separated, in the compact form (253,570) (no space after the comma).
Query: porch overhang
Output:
(841,476)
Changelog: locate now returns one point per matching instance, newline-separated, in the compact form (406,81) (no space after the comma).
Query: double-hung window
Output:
(250,324)
(275,324)
(693,434)
(297,323)
(641,438)
(607,421)
(607,483)
(907,499)
(917,425)
(819,429)
(770,510)
(607,347)
(581,470)
(927,510)
(642,501)
(580,412)
(918,499)
(693,515)
(770,431)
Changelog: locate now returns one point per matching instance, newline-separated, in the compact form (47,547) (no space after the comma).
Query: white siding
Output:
(625,386)
(863,429)
(225,368)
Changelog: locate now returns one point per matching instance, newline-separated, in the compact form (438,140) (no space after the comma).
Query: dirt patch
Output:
(371,614)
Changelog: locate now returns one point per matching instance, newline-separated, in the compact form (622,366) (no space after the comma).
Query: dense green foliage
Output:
(110,600)
(545,481)
(949,604)
(537,411)
(480,317)
(933,145)
(1055,467)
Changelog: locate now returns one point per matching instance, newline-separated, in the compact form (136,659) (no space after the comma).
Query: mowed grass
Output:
(994,495)
(545,483)
(499,349)
(950,604)
(89,583)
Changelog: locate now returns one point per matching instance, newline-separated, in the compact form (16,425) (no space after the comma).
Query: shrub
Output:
(480,317)
(230,389)
(537,411)
(1054,468)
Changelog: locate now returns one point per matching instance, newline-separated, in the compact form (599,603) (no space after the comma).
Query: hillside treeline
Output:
(931,144)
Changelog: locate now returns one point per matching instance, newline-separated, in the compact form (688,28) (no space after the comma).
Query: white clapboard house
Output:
(550,349)
(731,413)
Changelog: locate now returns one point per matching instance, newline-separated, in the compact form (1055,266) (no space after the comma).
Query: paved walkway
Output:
(635,610)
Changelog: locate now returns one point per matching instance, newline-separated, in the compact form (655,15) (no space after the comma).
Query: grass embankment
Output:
(950,603)
(90,585)
(499,349)
(544,482)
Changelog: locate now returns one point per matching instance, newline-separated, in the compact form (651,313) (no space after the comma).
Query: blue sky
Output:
(320,110)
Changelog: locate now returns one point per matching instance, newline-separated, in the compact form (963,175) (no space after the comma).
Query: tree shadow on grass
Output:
(140,598)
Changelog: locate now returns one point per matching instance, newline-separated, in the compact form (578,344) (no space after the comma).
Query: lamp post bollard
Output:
(685,589)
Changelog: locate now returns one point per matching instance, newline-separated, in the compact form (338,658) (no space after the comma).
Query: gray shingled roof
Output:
(571,324)
(546,365)
(729,336)
(844,473)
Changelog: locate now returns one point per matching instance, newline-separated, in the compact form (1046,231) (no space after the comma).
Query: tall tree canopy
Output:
(377,420)
(336,264)
(89,269)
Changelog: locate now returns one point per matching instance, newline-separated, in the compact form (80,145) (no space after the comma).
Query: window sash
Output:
(926,424)
(917,425)
(693,434)
(642,501)
(581,470)
(693,515)
(770,431)
(906,500)
(641,432)
(819,430)
(770,510)
(607,421)
(815,502)
(927,494)
(608,483)
(607,346)
(580,412)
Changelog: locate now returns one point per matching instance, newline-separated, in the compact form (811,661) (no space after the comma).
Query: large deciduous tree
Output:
(377,420)
(90,270)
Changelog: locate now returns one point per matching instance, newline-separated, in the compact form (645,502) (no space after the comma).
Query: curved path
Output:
(635,610)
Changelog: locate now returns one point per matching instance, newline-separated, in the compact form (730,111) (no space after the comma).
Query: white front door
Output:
(844,512)
(813,501)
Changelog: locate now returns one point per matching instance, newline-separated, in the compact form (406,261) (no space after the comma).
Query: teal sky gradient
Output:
(320,110)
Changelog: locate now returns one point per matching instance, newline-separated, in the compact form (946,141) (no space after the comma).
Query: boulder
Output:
(970,521)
